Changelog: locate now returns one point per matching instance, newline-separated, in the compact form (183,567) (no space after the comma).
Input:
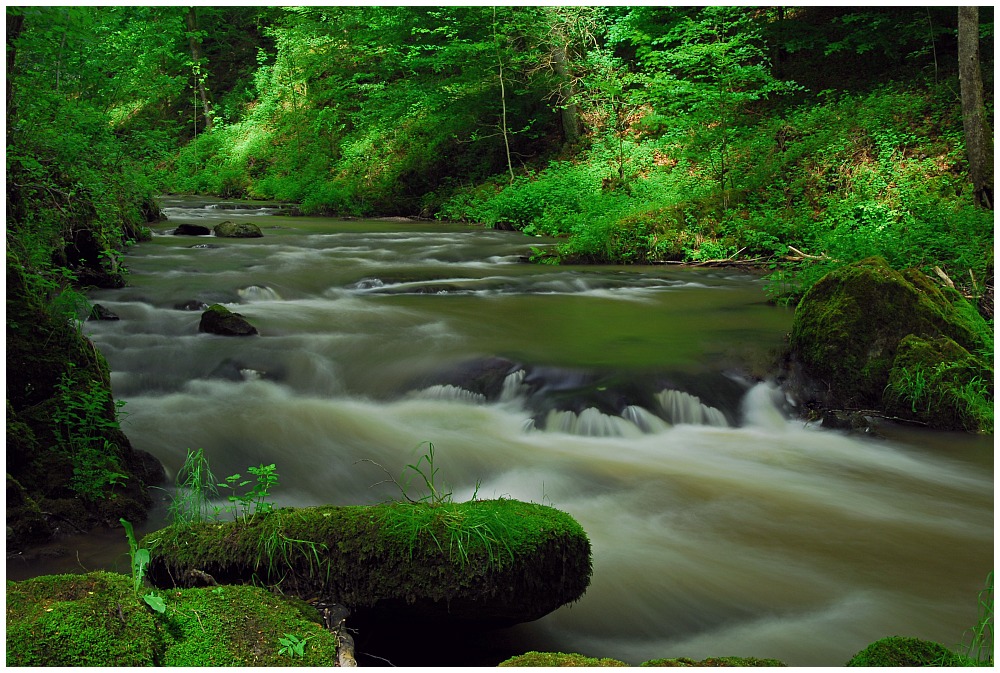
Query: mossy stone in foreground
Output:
(901,651)
(551,659)
(488,562)
(739,662)
(848,327)
(98,620)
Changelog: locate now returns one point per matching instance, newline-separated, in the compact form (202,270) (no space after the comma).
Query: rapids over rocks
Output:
(720,525)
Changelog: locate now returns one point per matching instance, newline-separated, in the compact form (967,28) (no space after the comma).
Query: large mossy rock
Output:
(849,326)
(483,563)
(230,229)
(220,320)
(558,659)
(98,619)
(898,651)
(53,372)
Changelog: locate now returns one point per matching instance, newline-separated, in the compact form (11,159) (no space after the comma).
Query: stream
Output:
(628,397)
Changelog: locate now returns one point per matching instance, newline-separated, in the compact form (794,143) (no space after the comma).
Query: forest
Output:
(788,143)
(795,138)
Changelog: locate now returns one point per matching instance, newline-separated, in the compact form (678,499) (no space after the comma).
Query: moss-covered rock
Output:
(230,229)
(492,562)
(739,662)
(554,659)
(98,619)
(57,383)
(849,326)
(901,651)
(220,320)
(942,384)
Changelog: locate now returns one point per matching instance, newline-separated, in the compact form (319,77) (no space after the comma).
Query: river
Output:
(720,525)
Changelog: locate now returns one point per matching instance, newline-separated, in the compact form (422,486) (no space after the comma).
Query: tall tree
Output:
(978,134)
(194,42)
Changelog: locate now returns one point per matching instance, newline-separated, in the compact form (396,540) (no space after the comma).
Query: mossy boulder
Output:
(218,319)
(902,651)
(484,562)
(739,662)
(230,229)
(849,326)
(558,659)
(940,383)
(54,372)
(98,619)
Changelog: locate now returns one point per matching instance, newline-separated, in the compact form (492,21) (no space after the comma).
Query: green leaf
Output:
(155,602)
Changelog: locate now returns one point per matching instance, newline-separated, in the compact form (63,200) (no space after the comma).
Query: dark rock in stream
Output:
(99,312)
(192,230)
(220,320)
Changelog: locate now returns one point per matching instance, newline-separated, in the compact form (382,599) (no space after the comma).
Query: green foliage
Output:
(252,501)
(292,645)
(86,413)
(139,561)
(196,488)
(979,648)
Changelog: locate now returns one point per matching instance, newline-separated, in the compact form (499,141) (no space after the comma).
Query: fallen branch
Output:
(801,255)
(943,276)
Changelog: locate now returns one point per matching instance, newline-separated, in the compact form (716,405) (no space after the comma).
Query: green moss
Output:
(553,659)
(496,560)
(740,662)
(900,651)
(98,620)
(939,382)
(78,620)
(849,325)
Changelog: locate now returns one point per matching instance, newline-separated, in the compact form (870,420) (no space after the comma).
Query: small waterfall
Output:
(258,293)
(449,393)
(644,419)
(760,409)
(684,408)
(590,423)
(513,386)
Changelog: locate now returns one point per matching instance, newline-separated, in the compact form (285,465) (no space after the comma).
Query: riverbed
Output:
(720,524)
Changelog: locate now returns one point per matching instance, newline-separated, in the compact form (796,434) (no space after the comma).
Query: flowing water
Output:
(719,525)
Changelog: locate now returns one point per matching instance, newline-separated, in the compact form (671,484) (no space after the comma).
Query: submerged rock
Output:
(99,619)
(220,320)
(849,326)
(482,563)
(230,229)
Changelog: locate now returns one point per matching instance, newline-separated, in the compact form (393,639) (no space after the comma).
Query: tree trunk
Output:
(978,134)
(193,42)
(569,111)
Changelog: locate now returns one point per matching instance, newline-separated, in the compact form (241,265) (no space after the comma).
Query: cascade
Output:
(681,407)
